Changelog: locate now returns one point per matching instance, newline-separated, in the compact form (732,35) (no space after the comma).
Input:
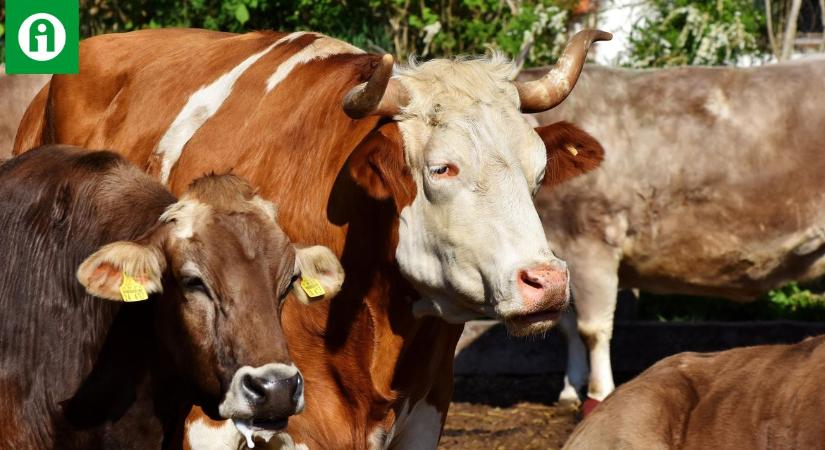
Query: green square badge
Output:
(42,36)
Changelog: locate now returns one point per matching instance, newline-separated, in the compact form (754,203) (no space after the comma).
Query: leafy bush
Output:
(403,27)
(687,32)
(787,303)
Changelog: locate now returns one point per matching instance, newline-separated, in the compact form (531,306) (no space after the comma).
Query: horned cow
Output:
(420,178)
(711,185)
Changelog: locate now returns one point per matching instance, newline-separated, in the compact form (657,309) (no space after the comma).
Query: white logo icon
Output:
(41,37)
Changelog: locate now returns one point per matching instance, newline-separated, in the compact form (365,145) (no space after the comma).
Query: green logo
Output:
(42,36)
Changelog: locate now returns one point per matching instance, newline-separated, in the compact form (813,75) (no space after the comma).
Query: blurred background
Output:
(649,33)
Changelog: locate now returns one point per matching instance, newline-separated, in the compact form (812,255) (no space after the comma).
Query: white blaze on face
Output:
(465,238)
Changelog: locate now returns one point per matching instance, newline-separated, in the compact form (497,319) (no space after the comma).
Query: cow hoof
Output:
(569,399)
(589,405)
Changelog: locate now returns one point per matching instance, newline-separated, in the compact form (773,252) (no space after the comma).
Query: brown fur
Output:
(82,372)
(337,181)
(572,151)
(761,397)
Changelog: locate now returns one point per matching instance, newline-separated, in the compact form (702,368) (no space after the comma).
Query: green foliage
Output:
(403,27)
(687,32)
(787,303)
(476,26)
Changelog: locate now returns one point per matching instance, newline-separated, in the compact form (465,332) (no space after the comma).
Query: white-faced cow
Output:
(712,185)
(80,372)
(16,92)
(763,397)
(420,178)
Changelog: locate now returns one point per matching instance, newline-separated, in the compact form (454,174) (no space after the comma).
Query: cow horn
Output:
(381,95)
(553,88)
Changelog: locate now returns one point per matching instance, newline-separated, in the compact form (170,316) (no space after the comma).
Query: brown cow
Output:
(16,92)
(80,372)
(420,178)
(763,397)
(711,186)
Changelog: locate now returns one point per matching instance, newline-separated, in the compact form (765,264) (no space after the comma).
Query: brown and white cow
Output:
(711,186)
(16,92)
(760,398)
(80,372)
(420,178)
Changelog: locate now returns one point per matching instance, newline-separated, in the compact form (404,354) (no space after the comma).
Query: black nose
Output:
(271,396)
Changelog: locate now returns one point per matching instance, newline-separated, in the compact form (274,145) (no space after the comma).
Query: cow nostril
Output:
(297,387)
(530,281)
(253,389)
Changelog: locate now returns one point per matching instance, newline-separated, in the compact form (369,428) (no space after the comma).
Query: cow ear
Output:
(321,274)
(105,272)
(571,152)
(379,167)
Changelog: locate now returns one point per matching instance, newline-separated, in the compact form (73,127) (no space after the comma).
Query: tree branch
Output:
(790,30)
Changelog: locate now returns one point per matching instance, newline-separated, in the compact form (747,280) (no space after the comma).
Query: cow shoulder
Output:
(571,152)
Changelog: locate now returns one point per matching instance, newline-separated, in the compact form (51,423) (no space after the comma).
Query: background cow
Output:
(16,92)
(760,397)
(711,186)
(421,182)
(80,372)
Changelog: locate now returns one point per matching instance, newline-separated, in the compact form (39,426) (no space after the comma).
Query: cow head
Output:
(463,166)
(224,267)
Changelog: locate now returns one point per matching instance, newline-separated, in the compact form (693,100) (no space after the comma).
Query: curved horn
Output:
(378,96)
(553,88)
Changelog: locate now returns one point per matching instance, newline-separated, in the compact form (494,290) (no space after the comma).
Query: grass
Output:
(790,302)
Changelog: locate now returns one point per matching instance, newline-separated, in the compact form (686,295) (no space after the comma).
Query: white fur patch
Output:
(321,48)
(377,439)
(267,207)
(202,105)
(186,214)
(717,104)
(202,436)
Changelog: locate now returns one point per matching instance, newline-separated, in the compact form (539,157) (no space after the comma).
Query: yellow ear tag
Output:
(572,149)
(312,287)
(131,290)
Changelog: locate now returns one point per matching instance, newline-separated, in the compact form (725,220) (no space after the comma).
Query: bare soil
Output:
(502,413)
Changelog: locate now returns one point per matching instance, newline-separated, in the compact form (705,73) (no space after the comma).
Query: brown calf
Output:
(79,372)
(763,397)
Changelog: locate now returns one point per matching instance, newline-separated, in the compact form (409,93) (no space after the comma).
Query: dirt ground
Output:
(502,413)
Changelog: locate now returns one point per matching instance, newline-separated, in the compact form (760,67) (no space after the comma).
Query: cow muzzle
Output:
(544,291)
(261,399)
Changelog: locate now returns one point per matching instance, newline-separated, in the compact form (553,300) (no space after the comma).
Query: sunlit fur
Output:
(465,111)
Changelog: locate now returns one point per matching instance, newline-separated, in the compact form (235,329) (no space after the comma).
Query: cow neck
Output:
(368,332)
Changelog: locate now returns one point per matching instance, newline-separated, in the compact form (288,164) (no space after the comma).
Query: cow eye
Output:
(195,284)
(439,171)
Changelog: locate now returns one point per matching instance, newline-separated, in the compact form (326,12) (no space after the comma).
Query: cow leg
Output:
(577,370)
(594,282)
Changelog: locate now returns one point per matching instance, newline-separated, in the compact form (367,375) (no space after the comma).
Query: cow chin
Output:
(536,319)
(532,324)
